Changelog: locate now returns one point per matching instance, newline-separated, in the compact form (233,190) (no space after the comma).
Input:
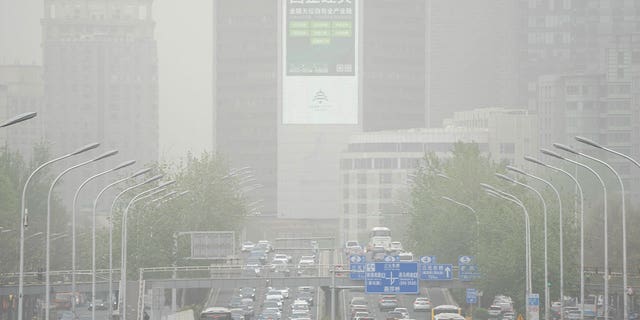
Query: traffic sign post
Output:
(472,296)
(533,306)
(391,277)
(436,271)
(356,267)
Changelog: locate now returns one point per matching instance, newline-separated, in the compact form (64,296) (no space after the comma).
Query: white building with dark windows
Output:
(376,167)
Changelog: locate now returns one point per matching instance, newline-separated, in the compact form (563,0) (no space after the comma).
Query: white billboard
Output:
(320,62)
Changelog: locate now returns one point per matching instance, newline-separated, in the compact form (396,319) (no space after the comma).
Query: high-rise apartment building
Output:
(100,79)
(21,91)
(295,162)
(579,71)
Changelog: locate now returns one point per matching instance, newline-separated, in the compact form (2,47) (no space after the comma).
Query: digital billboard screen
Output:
(320,62)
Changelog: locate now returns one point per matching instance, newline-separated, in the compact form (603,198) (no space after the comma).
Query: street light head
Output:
(588,141)
(139,173)
(160,190)
(443,176)
(86,148)
(566,148)
(166,183)
(183,193)
(18,118)
(503,177)
(105,155)
(154,178)
(534,160)
(516,170)
(488,187)
(124,165)
(552,154)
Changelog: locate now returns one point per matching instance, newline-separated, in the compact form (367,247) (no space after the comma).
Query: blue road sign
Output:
(472,296)
(468,272)
(391,258)
(436,271)
(428,259)
(391,277)
(356,266)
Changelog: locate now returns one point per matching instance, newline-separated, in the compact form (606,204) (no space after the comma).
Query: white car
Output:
(404,311)
(421,304)
(247,246)
(282,256)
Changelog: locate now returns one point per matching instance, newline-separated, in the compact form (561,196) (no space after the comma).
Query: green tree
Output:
(446,230)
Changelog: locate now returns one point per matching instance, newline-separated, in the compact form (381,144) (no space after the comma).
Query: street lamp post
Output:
(606,231)
(475,215)
(545,165)
(514,169)
(23,219)
(624,217)
(73,232)
(123,267)
(48,228)
(511,198)
(73,225)
(18,118)
(546,246)
(113,206)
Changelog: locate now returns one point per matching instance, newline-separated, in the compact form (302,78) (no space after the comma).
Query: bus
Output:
(442,312)
(217,313)
(379,237)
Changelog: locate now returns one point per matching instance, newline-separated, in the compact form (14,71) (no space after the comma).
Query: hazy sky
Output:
(184,38)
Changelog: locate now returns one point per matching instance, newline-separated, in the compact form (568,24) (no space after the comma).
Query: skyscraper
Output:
(100,78)
(295,159)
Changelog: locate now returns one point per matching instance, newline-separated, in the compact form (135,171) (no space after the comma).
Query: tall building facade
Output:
(296,164)
(579,72)
(245,88)
(21,90)
(100,80)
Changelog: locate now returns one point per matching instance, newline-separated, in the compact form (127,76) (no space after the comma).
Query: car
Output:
(395,246)
(276,263)
(494,311)
(271,304)
(306,296)
(573,315)
(282,256)
(284,291)
(388,302)
(356,309)
(404,311)
(365,318)
(247,246)
(360,314)
(65,315)
(235,302)
(307,259)
(393,315)
(99,305)
(248,292)
(309,289)
(273,312)
(265,244)
(237,314)
(405,256)
(421,304)
(300,305)
(349,246)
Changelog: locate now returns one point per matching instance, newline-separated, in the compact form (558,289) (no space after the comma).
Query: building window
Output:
(345,193)
(345,178)
(362,209)
(409,163)
(385,193)
(362,178)
(362,223)
(362,193)
(363,164)
(345,209)
(385,178)
(385,163)
(573,90)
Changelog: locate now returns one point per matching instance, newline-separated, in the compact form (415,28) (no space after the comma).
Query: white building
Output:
(376,166)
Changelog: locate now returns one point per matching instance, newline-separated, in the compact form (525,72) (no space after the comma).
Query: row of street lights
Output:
(139,197)
(492,191)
